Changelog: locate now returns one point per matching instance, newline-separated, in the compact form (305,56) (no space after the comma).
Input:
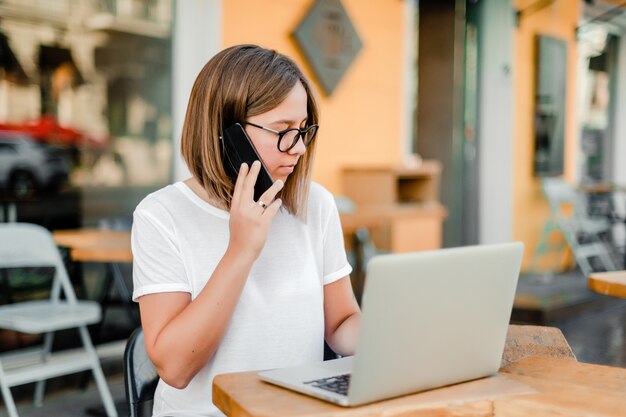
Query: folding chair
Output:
(619,225)
(581,231)
(26,245)
(140,376)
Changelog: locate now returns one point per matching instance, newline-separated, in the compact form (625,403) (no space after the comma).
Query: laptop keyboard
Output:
(338,384)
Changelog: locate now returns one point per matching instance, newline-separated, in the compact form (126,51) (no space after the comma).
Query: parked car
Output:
(28,166)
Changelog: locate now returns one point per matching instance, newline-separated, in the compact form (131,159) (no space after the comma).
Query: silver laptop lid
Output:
(433,318)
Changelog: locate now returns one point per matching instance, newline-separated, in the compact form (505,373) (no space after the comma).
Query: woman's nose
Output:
(299,148)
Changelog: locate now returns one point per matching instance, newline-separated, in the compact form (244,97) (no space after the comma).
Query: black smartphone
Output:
(238,148)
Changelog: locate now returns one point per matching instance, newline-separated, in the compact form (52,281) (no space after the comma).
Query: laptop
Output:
(429,319)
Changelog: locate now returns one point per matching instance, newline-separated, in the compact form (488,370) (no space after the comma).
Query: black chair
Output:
(140,376)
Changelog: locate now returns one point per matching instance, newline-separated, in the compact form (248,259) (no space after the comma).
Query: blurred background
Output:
(443,124)
(500,93)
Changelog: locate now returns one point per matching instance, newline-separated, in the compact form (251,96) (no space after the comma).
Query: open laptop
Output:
(429,319)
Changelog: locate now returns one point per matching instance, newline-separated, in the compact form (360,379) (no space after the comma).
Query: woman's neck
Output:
(201,192)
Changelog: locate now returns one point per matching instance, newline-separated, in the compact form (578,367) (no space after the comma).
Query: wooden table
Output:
(95,245)
(609,283)
(540,377)
(555,387)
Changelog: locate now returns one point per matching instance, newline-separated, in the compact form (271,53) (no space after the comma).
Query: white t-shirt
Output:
(178,240)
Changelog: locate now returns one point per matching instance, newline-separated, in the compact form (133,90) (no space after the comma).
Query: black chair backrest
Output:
(140,376)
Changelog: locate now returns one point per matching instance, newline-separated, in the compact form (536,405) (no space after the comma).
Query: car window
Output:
(7,148)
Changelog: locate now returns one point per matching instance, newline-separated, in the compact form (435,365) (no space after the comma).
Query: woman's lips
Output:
(286,169)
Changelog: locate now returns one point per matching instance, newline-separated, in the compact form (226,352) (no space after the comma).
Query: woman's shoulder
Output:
(159,200)
(318,194)
(320,201)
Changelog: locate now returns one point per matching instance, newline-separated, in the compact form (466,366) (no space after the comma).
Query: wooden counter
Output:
(402,202)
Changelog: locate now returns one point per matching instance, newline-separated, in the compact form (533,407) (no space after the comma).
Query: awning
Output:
(9,62)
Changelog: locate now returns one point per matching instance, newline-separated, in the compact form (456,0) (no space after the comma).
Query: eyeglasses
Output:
(288,138)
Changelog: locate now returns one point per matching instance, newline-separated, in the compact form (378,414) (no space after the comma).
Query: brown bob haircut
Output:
(237,83)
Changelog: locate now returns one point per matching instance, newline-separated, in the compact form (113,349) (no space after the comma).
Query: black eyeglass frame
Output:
(302,134)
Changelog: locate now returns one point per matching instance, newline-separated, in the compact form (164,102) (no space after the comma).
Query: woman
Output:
(226,283)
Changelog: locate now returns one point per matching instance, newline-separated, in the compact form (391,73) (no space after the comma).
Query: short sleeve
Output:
(336,264)
(157,261)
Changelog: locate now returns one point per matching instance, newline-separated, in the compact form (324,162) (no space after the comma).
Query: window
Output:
(95,85)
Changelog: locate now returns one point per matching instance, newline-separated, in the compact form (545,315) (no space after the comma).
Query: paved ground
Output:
(74,401)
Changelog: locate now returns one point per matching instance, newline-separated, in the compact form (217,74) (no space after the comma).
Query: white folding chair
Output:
(27,245)
(619,224)
(582,232)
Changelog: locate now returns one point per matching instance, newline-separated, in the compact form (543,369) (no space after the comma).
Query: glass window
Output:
(87,84)
(7,149)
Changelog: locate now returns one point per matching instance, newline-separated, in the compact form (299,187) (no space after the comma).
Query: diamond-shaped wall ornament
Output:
(329,42)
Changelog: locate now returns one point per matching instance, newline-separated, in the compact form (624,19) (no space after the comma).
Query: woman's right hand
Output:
(249,220)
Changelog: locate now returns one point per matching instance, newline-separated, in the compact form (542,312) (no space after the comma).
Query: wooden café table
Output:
(539,377)
(95,245)
(609,283)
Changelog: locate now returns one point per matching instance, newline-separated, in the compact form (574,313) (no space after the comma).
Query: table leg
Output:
(8,213)
(11,213)
(359,241)
(125,294)
(115,278)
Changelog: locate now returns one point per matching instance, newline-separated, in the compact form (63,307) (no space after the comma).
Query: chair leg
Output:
(585,266)
(605,257)
(579,256)
(544,246)
(6,395)
(359,273)
(40,387)
(98,375)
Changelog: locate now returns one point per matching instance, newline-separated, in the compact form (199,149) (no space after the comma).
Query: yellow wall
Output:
(558,20)
(360,121)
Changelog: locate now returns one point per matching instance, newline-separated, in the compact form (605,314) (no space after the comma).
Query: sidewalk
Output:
(74,402)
